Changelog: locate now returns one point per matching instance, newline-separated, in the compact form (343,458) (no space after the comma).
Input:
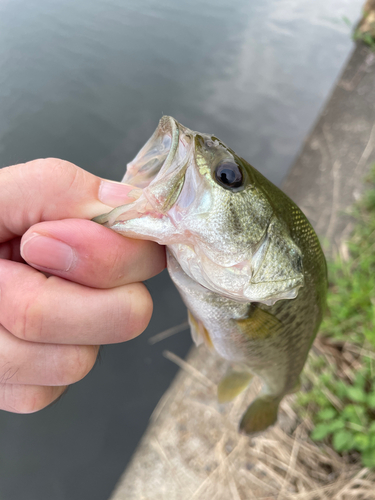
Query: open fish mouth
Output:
(157,174)
(158,152)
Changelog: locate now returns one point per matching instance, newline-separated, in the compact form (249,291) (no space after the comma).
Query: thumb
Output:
(52,189)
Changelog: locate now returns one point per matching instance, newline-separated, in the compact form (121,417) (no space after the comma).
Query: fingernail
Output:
(114,194)
(48,253)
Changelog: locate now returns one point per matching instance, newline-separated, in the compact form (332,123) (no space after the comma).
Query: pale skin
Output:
(67,285)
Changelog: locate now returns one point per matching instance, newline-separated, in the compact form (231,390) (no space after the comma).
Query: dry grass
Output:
(283,463)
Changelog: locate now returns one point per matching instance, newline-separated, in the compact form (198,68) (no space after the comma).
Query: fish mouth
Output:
(157,154)
(159,168)
(157,174)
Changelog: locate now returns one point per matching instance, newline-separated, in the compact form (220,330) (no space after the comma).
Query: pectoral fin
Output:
(260,415)
(199,332)
(259,324)
(232,384)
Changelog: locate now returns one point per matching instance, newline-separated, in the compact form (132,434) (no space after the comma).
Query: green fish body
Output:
(243,256)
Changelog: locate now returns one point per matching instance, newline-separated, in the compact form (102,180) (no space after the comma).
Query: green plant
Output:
(351,298)
(359,35)
(341,369)
(365,37)
(344,413)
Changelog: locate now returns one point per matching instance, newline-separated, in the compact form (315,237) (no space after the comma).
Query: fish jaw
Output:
(157,173)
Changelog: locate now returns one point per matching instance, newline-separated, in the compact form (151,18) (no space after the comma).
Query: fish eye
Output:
(228,174)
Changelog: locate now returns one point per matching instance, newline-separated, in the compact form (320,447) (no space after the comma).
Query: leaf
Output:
(360,380)
(368,458)
(342,440)
(367,38)
(336,425)
(325,378)
(320,432)
(327,414)
(356,394)
(361,441)
(354,414)
(371,400)
(341,389)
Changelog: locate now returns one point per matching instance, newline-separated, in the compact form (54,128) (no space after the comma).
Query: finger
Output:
(27,398)
(52,189)
(53,310)
(33,363)
(90,254)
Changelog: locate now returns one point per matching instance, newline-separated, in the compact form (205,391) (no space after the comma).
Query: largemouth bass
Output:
(245,259)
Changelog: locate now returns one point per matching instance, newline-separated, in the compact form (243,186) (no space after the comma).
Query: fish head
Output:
(195,195)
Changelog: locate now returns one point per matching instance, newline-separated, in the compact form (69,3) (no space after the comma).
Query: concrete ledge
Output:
(192,449)
(328,175)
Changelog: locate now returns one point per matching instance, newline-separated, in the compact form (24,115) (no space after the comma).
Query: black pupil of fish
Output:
(229,175)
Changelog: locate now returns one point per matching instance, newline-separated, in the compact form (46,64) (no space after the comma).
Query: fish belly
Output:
(266,357)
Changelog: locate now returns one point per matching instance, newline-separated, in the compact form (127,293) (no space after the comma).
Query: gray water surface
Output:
(87,81)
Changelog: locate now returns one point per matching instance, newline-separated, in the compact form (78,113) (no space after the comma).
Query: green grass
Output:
(341,369)
(358,35)
(366,38)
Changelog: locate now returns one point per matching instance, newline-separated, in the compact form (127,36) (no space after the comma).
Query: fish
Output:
(244,258)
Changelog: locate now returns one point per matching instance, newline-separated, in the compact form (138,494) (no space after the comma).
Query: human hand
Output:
(51,327)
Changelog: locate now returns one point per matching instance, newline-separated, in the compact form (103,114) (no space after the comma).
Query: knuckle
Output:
(118,267)
(25,317)
(65,170)
(63,173)
(29,323)
(77,363)
(50,166)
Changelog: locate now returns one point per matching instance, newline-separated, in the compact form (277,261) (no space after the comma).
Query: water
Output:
(87,81)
